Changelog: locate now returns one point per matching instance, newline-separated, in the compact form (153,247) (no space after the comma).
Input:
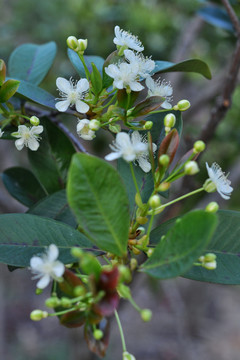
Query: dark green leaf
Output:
(216,16)
(96,79)
(123,98)
(192,65)
(182,245)
(226,245)
(99,201)
(25,235)
(55,206)
(51,162)
(74,58)
(23,186)
(31,62)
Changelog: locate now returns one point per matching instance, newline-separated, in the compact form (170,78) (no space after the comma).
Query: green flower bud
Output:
(98,334)
(142,220)
(38,291)
(148,125)
(199,146)
(94,125)
(169,120)
(34,120)
(150,252)
(72,43)
(155,201)
(124,291)
(125,273)
(37,315)
(65,302)
(133,264)
(209,186)
(52,302)
(183,105)
(191,168)
(128,356)
(212,207)
(164,160)
(146,315)
(82,44)
(77,252)
(210,257)
(164,186)
(79,290)
(210,265)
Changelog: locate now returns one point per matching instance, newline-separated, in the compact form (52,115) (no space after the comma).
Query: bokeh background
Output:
(191,320)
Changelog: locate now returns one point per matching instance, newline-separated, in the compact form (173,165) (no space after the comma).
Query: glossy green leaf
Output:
(192,65)
(226,245)
(55,206)
(2,71)
(76,62)
(25,235)
(23,185)
(182,245)
(8,89)
(99,201)
(31,62)
(96,79)
(51,162)
(216,16)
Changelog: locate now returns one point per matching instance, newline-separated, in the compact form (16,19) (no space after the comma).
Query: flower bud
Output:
(128,356)
(72,43)
(141,230)
(164,160)
(94,125)
(164,186)
(150,252)
(77,252)
(82,44)
(34,120)
(125,273)
(142,220)
(133,264)
(52,302)
(79,290)
(191,168)
(155,201)
(210,265)
(210,257)
(38,291)
(65,302)
(169,120)
(37,315)
(198,146)
(212,207)
(146,315)
(98,334)
(209,186)
(124,291)
(182,105)
(148,125)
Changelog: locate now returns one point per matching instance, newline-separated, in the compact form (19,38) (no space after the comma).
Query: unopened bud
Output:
(98,334)
(133,264)
(37,315)
(164,160)
(82,43)
(142,220)
(164,186)
(38,291)
(94,125)
(209,186)
(34,120)
(199,146)
(191,168)
(148,125)
(124,291)
(212,207)
(169,120)
(72,43)
(125,273)
(155,201)
(52,302)
(77,252)
(210,265)
(146,315)
(210,257)
(65,302)
(128,356)
(79,290)
(150,252)
(182,105)
(136,251)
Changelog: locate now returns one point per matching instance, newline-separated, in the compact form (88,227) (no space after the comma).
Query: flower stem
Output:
(134,178)
(5,112)
(111,100)
(120,330)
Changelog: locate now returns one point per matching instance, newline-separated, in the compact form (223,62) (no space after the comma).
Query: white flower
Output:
(124,38)
(28,136)
(47,266)
(128,356)
(145,65)
(1,133)
(160,88)
(84,131)
(125,76)
(72,94)
(220,180)
(134,148)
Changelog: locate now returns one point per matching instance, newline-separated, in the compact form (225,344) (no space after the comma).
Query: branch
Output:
(233,16)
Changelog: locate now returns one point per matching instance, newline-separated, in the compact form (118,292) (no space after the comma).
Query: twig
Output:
(233,16)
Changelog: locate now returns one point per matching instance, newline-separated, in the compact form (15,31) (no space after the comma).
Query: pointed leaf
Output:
(76,62)
(191,65)
(148,105)
(96,79)
(169,145)
(2,71)
(98,199)
(182,245)
(8,89)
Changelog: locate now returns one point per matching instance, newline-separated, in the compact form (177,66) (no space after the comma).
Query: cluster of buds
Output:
(208,261)
(77,45)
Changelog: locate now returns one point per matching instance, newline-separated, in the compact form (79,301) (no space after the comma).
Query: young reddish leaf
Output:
(2,71)
(99,347)
(70,281)
(8,89)
(73,319)
(108,280)
(148,105)
(169,145)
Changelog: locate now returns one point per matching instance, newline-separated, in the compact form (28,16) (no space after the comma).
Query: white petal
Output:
(118,84)
(52,252)
(35,262)
(113,156)
(149,82)
(166,105)
(37,129)
(58,268)
(43,282)
(62,105)
(135,86)
(129,156)
(33,144)
(63,85)
(144,164)
(81,106)
(19,144)
(82,85)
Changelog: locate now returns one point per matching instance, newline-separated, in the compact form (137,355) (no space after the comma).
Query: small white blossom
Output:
(47,266)
(160,88)
(125,76)
(1,133)
(144,65)
(28,136)
(72,94)
(218,177)
(84,131)
(124,38)
(131,148)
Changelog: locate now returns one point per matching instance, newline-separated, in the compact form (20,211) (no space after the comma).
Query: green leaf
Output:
(182,245)
(99,201)
(8,89)
(96,79)
(51,162)
(217,17)
(146,106)
(56,207)
(25,235)
(31,62)
(2,71)
(23,186)
(74,58)
(226,245)
(192,65)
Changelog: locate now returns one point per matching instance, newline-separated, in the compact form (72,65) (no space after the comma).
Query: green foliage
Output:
(8,89)
(89,59)
(98,199)
(216,16)
(23,185)
(25,235)
(182,245)
(191,65)
(31,62)
(51,162)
